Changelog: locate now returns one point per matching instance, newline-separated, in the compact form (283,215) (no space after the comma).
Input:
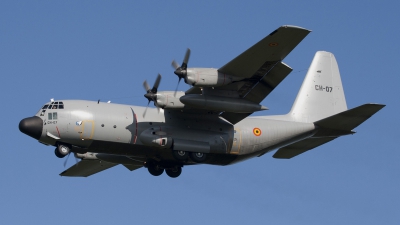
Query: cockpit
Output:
(52,105)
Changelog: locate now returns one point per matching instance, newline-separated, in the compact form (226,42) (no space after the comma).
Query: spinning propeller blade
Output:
(181,71)
(66,160)
(151,94)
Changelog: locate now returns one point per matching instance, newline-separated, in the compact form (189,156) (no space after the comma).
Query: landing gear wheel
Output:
(174,172)
(57,153)
(198,157)
(155,170)
(180,155)
(62,150)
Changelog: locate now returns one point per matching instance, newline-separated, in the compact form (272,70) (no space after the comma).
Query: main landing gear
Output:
(156,170)
(62,150)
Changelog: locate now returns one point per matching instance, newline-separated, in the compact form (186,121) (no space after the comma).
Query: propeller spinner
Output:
(181,71)
(151,94)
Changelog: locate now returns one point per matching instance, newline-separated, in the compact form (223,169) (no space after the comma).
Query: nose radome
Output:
(32,126)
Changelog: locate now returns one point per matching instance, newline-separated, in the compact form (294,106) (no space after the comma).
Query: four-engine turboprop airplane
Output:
(209,123)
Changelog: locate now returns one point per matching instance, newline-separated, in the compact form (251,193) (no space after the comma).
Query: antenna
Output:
(52,99)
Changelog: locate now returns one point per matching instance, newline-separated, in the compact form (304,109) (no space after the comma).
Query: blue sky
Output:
(105,49)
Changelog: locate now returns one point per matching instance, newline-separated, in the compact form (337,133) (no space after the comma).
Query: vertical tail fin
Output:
(321,94)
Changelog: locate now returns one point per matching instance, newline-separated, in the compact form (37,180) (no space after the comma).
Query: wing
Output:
(87,167)
(257,72)
(267,52)
(262,67)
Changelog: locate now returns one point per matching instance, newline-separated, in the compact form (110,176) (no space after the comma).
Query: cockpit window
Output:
(54,105)
(42,113)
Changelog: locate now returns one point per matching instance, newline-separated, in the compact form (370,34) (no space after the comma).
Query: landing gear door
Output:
(87,129)
(237,141)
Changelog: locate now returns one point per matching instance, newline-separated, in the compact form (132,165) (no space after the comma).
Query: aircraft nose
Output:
(32,126)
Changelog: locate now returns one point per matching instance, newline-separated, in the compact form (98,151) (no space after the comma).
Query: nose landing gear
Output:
(62,150)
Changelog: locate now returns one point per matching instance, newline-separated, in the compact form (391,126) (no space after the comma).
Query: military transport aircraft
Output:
(209,123)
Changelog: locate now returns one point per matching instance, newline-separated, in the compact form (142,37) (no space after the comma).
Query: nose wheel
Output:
(62,150)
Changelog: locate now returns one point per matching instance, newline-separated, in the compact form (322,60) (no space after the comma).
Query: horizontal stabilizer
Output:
(297,148)
(350,119)
(85,168)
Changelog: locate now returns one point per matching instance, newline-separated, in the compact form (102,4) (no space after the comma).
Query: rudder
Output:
(321,94)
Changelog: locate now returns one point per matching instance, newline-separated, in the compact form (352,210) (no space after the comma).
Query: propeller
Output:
(181,71)
(66,160)
(151,93)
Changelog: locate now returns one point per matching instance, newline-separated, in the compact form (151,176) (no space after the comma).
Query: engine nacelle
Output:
(153,138)
(207,77)
(167,100)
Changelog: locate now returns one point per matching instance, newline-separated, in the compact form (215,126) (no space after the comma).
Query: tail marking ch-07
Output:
(209,123)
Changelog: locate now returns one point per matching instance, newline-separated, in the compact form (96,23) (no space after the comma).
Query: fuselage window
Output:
(52,116)
(42,113)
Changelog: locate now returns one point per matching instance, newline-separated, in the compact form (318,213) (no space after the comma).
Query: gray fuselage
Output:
(119,129)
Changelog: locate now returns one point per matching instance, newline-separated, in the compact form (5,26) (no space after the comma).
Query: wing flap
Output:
(273,48)
(297,148)
(257,91)
(268,83)
(234,118)
(85,168)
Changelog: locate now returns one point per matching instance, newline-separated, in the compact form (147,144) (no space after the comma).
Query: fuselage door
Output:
(87,129)
(237,141)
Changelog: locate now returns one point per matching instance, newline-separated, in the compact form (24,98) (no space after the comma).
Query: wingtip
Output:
(296,27)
